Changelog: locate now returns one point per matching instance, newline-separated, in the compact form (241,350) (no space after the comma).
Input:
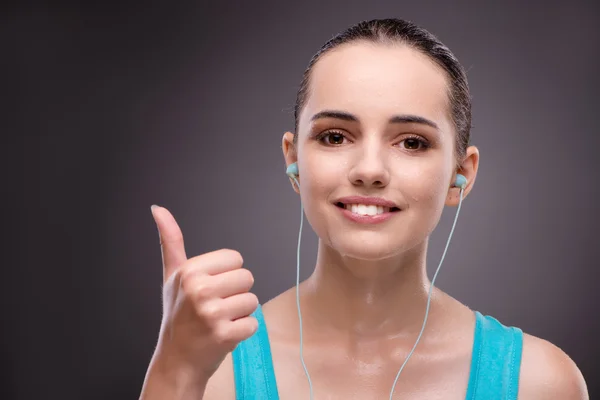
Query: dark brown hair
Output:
(389,31)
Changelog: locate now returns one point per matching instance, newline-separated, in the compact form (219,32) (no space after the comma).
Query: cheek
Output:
(427,204)
(425,194)
(428,191)
(315,186)
(320,173)
(320,176)
(423,181)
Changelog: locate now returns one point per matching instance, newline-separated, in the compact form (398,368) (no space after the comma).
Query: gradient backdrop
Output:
(106,111)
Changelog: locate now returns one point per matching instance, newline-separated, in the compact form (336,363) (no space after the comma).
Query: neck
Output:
(366,299)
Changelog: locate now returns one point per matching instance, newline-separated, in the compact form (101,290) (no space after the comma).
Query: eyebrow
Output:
(396,119)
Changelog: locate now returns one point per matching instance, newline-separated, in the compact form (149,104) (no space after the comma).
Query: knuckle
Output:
(247,275)
(235,256)
(186,272)
(252,325)
(201,290)
(249,328)
(169,239)
(252,299)
(222,337)
(185,280)
(249,298)
(210,311)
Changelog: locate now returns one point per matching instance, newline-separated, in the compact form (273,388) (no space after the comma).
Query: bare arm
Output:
(164,381)
(221,385)
(207,311)
(548,373)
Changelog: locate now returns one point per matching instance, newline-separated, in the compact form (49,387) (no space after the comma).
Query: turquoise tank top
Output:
(494,374)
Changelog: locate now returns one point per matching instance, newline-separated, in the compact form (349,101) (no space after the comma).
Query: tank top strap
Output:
(496,360)
(253,370)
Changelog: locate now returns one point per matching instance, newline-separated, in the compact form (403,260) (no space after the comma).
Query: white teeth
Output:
(363,209)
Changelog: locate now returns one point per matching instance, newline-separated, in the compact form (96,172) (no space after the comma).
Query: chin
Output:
(368,246)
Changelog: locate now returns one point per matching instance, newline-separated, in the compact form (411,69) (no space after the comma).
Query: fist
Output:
(206,301)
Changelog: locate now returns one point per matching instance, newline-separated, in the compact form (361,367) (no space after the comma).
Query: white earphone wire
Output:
(426,310)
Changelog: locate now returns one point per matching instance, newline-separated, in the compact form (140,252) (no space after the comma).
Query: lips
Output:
(366,210)
(344,202)
(362,208)
(370,217)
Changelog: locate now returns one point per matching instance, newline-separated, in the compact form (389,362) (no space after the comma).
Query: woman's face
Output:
(376,123)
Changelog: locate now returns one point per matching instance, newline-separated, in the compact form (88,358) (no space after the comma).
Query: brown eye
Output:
(331,138)
(335,138)
(411,144)
(415,144)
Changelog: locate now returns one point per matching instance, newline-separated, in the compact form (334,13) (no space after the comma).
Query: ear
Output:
(290,155)
(468,167)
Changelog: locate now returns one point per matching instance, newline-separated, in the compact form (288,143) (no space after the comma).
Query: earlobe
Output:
(453,197)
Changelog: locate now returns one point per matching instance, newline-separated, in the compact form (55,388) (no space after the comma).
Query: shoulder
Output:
(548,373)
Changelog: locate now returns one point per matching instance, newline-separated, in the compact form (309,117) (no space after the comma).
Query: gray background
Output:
(106,111)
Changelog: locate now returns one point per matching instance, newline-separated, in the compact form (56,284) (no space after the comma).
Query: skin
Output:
(354,339)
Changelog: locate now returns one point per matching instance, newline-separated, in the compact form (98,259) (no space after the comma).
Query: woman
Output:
(383,117)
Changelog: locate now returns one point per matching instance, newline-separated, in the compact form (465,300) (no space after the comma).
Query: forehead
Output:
(375,81)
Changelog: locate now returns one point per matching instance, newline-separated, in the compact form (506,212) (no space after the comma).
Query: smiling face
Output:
(376,123)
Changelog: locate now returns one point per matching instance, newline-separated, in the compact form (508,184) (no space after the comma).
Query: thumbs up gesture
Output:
(206,303)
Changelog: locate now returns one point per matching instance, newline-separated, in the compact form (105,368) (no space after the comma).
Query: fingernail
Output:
(153,207)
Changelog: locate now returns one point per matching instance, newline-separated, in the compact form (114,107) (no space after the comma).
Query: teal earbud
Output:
(292,172)
(460,181)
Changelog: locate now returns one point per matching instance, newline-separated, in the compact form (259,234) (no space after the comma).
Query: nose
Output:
(369,168)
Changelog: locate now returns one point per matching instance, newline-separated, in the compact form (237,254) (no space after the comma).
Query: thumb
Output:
(171,240)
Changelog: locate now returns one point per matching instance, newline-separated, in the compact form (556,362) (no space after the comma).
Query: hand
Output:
(206,302)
